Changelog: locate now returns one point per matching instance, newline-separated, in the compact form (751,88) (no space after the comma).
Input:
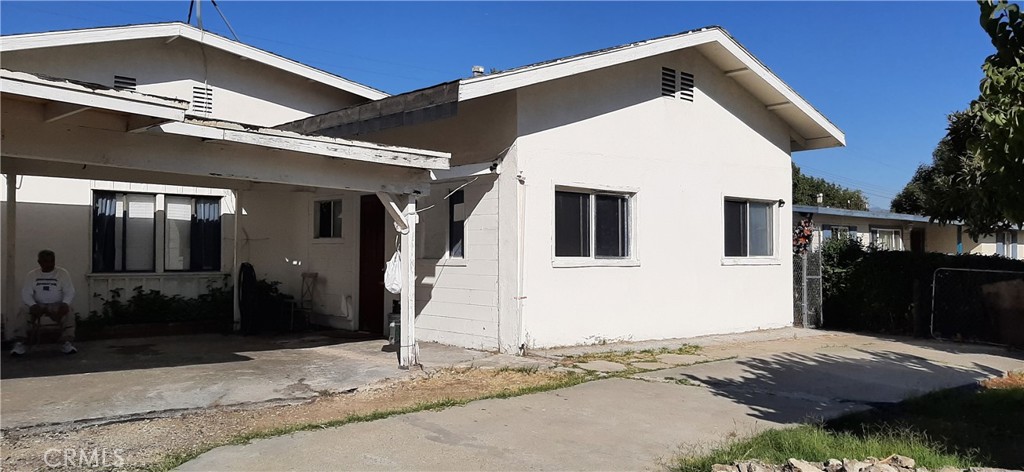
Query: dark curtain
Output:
(205,235)
(104,218)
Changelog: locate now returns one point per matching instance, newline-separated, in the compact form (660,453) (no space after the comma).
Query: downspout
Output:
(520,256)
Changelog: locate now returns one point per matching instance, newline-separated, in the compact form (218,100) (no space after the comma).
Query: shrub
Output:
(873,290)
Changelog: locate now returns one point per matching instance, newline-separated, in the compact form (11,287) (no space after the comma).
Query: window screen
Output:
(456,224)
(611,226)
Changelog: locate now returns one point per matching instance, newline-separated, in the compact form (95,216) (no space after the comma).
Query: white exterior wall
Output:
(56,213)
(244,91)
(610,129)
(457,299)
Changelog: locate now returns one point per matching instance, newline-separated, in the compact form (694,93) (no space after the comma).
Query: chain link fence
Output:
(978,305)
(807,293)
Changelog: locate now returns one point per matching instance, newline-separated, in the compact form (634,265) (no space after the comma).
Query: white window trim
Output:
(159,229)
(775,258)
(632,195)
(447,260)
(874,232)
(313,215)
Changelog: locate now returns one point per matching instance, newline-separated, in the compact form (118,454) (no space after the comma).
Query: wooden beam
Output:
(439,101)
(317,145)
(10,293)
(28,85)
(408,350)
(138,124)
(94,172)
(396,213)
(466,171)
(26,136)
(776,106)
(56,111)
(740,71)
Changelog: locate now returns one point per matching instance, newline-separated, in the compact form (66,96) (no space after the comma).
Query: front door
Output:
(371,265)
(917,239)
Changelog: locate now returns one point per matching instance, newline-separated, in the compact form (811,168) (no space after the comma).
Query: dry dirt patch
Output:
(145,444)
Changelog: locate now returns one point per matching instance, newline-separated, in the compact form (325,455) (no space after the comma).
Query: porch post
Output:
(235,309)
(409,351)
(10,292)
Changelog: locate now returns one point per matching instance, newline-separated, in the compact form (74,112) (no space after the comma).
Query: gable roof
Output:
(811,130)
(171,31)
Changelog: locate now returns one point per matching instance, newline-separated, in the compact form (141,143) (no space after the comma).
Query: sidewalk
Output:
(762,380)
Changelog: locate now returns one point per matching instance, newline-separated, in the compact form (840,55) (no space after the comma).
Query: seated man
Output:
(48,292)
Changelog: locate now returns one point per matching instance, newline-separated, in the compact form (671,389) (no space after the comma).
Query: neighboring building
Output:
(902,232)
(630,193)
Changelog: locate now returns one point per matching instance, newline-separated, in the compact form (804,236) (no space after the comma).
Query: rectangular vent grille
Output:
(676,84)
(202,99)
(124,83)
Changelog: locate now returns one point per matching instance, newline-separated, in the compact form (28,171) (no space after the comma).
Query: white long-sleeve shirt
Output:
(48,287)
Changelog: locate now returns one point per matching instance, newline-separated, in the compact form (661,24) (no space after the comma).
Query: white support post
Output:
(10,293)
(235,308)
(409,351)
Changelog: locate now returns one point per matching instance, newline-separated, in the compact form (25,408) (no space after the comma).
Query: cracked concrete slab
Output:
(625,424)
(119,379)
(602,366)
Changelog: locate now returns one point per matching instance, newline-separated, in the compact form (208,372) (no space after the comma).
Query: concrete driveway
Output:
(633,424)
(121,379)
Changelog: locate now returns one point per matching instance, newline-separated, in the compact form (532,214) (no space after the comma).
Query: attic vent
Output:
(124,83)
(202,99)
(676,84)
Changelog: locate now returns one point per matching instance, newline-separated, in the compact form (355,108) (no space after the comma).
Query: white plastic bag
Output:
(393,274)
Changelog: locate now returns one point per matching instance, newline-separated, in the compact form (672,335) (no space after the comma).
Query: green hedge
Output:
(872,290)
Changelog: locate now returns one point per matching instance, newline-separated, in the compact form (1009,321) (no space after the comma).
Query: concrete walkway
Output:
(633,424)
(119,379)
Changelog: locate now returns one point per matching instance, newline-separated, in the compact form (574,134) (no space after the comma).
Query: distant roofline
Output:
(171,30)
(878,215)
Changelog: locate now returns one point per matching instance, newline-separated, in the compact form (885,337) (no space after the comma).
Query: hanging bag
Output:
(393,274)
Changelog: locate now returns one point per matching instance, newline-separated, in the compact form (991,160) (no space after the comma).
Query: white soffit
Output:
(174,30)
(814,129)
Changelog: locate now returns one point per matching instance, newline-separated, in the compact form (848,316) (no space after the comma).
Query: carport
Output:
(60,128)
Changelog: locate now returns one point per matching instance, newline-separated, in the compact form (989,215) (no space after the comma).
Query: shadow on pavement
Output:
(165,351)
(825,385)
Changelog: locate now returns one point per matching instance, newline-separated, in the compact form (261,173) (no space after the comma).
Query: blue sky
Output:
(886,73)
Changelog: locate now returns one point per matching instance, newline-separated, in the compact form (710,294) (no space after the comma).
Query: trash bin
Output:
(395,323)
(394,328)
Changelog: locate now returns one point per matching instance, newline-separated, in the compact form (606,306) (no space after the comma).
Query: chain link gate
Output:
(807,289)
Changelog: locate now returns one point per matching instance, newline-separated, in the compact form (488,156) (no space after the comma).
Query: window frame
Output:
(315,220)
(160,231)
(898,236)
(773,237)
(631,195)
(835,234)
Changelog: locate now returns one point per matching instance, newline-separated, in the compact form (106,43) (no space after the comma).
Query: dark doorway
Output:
(917,239)
(371,265)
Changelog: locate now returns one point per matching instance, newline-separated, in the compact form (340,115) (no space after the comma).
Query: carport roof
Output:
(168,116)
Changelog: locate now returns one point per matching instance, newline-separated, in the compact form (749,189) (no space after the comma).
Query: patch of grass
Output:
(816,444)
(174,460)
(630,356)
(987,422)
(959,427)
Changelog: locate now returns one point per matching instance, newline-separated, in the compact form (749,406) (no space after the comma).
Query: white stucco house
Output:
(630,193)
(636,192)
